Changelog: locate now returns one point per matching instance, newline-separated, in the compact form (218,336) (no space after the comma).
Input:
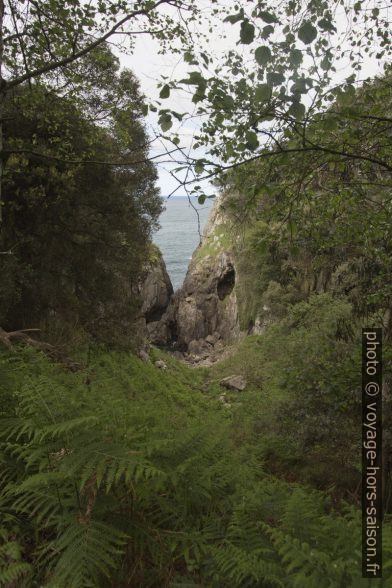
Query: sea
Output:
(178,235)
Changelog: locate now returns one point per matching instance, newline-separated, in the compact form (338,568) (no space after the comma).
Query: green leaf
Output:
(165,92)
(252,140)
(345,98)
(329,124)
(307,32)
(188,56)
(263,55)
(268,17)
(195,79)
(267,31)
(295,57)
(263,93)
(233,18)
(199,167)
(201,199)
(326,25)
(247,32)
(325,63)
(227,102)
(275,78)
(219,118)
(297,110)
(165,122)
(200,92)
(300,86)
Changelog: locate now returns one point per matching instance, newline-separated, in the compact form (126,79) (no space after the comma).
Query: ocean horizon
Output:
(178,235)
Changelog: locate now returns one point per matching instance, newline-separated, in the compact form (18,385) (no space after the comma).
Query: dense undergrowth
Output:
(121,474)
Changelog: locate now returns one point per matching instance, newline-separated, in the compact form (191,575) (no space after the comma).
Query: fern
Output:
(13,570)
(158,495)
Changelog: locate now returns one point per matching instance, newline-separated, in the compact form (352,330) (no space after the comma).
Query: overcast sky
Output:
(149,66)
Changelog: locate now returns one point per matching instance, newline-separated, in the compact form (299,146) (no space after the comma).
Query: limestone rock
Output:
(204,310)
(213,339)
(157,332)
(237,383)
(199,347)
(156,288)
(143,355)
(160,364)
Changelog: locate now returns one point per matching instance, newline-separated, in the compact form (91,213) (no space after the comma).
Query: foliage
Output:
(292,62)
(50,40)
(123,475)
(303,219)
(77,235)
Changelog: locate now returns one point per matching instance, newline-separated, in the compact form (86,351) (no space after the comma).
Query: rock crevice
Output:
(203,313)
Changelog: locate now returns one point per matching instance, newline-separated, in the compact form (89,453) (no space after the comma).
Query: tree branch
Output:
(74,56)
(83,161)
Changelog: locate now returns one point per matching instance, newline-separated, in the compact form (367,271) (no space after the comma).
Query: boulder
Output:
(213,339)
(199,347)
(160,364)
(143,355)
(237,383)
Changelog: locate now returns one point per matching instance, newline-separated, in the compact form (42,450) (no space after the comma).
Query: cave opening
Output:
(226,283)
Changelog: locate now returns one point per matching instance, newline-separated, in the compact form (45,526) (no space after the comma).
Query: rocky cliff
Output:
(203,313)
(155,291)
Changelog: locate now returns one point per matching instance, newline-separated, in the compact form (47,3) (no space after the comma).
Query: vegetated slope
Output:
(312,250)
(75,233)
(121,474)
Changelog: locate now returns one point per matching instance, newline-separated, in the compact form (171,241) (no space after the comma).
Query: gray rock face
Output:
(204,310)
(237,383)
(155,289)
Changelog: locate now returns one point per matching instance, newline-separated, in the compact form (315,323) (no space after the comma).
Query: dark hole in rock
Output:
(226,283)
(251,324)
(173,332)
(154,314)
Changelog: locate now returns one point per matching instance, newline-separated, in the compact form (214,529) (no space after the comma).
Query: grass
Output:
(219,240)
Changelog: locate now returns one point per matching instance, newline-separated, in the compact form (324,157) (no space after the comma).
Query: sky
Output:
(149,66)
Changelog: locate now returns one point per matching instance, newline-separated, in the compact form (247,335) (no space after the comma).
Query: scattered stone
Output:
(143,355)
(223,400)
(213,339)
(178,354)
(199,347)
(234,383)
(160,364)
